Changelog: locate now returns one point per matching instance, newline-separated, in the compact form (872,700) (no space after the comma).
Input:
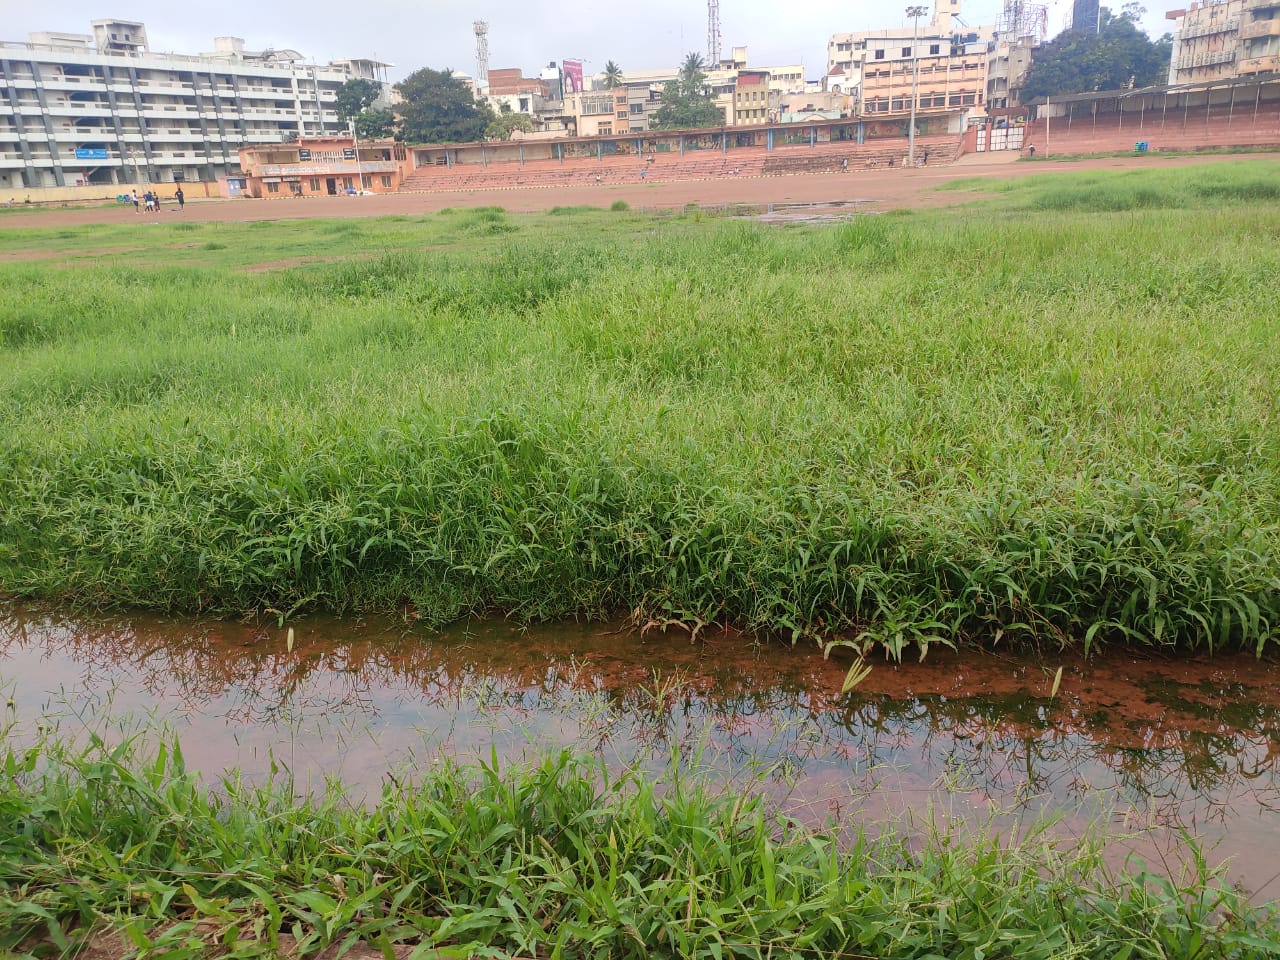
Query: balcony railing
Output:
(1260,28)
(1268,64)
(1209,28)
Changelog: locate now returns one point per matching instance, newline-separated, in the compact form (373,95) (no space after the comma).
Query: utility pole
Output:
(915,13)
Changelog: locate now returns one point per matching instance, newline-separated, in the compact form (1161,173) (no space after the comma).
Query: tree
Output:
(375,124)
(437,107)
(693,71)
(686,102)
(356,96)
(1119,56)
(506,123)
(613,77)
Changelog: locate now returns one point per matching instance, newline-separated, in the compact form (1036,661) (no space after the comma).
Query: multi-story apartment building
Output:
(1259,37)
(947,62)
(601,113)
(1206,41)
(104,108)
(743,101)
(1224,39)
(751,99)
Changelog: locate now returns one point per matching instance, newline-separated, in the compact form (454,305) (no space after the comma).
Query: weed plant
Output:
(557,859)
(1030,419)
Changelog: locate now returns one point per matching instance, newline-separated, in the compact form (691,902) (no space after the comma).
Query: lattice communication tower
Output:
(1022,19)
(713,34)
(482,51)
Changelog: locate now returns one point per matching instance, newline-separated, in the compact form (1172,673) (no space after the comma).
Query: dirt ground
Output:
(879,189)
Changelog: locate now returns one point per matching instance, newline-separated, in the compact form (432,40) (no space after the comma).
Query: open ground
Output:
(879,189)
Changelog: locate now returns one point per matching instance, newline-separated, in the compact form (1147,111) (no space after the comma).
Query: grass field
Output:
(1047,416)
(557,859)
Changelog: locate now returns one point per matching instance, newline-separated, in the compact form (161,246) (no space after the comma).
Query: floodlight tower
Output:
(482,52)
(713,34)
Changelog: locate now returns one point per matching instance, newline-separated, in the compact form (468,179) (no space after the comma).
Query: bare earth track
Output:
(880,189)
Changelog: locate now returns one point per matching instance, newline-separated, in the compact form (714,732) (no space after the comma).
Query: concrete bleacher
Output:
(1193,129)
(667,167)
(828,158)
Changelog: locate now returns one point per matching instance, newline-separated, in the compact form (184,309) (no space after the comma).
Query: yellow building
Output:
(948,62)
(751,98)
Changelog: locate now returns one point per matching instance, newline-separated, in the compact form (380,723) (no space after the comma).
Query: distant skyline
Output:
(527,34)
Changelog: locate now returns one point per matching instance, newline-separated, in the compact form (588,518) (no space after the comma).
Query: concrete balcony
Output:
(75,83)
(1268,64)
(1260,28)
(1261,5)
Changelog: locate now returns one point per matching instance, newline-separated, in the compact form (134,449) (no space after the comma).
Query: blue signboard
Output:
(91,153)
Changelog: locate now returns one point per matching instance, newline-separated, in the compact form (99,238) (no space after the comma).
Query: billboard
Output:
(91,153)
(572,70)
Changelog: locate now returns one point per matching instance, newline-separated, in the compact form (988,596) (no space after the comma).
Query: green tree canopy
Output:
(686,101)
(437,107)
(375,124)
(506,123)
(1117,57)
(613,76)
(356,96)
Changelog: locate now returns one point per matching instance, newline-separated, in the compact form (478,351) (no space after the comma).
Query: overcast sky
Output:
(641,35)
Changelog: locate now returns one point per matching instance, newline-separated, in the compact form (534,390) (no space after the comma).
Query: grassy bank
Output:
(1026,419)
(559,859)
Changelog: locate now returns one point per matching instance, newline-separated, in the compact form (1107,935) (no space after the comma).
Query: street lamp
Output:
(915,13)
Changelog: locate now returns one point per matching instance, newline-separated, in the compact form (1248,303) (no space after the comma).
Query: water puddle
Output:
(824,211)
(1152,747)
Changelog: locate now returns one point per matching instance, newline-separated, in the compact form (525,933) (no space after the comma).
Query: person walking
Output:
(844,165)
(135,201)
(178,195)
(1031,150)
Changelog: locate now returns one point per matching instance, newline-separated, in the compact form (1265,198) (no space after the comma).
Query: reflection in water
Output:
(1162,745)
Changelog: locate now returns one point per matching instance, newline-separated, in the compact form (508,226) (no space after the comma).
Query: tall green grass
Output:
(557,859)
(957,426)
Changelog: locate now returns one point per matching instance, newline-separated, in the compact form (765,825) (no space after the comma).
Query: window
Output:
(906,51)
(314,183)
(935,48)
(273,188)
(879,54)
(386,181)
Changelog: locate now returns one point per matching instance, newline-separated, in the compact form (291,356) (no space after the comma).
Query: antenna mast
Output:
(482,52)
(713,34)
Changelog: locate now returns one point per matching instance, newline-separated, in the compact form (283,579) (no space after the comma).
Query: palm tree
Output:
(693,71)
(612,76)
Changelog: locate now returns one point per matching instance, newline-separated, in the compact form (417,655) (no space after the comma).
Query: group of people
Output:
(151,199)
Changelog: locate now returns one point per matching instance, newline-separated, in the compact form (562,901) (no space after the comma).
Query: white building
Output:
(104,108)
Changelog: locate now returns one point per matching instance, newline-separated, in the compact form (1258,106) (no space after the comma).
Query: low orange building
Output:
(322,166)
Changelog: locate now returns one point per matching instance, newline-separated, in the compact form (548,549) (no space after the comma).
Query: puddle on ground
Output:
(1151,746)
(825,211)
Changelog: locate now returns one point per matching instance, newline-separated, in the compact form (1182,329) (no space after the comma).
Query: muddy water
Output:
(1142,748)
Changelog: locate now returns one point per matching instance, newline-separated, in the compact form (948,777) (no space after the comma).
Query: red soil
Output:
(882,189)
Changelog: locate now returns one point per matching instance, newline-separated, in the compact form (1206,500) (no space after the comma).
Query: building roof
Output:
(1165,89)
